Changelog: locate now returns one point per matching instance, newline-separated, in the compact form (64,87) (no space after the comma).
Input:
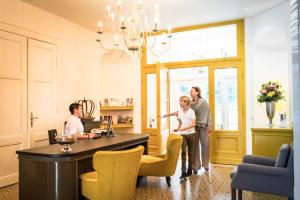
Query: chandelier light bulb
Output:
(169,31)
(100,25)
(112,16)
(116,41)
(122,18)
(108,8)
(140,5)
(119,3)
(164,38)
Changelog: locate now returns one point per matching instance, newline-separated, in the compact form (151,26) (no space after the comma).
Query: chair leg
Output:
(138,181)
(168,179)
(233,194)
(240,194)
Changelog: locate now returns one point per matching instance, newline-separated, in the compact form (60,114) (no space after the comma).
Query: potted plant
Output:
(270,93)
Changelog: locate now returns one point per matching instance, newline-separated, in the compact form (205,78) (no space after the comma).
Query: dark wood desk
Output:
(46,173)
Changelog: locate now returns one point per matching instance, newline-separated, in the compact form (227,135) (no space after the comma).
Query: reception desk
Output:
(46,173)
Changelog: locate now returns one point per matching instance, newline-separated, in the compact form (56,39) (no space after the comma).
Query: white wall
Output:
(80,55)
(121,78)
(267,58)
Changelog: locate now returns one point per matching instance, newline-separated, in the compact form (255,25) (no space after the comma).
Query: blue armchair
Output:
(259,174)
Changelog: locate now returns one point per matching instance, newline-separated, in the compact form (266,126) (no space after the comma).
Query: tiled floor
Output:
(214,185)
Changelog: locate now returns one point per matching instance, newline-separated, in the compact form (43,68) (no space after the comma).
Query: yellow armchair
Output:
(162,165)
(115,175)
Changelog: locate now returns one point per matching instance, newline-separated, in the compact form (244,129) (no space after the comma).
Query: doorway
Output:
(222,86)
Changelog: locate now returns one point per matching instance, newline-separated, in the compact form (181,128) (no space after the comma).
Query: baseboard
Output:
(8,180)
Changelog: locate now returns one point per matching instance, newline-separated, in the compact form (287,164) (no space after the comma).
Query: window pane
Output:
(208,43)
(151,101)
(226,101)
(181,82)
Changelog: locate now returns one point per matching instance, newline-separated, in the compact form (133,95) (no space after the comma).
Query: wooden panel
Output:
(226,145)
(267,142)
(13,108)
(226,148)
(42,90)
(11,47)
(11,100)
(9,164)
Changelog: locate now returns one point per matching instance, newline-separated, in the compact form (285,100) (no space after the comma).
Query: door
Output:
(162,105)
(13,108)
(227,137)
(42,103)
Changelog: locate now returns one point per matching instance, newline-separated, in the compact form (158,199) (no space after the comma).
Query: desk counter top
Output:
(85,147)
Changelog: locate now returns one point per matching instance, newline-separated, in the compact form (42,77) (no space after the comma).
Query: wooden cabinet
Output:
(267,141)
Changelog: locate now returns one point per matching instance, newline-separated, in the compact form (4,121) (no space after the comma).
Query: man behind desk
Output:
(74,125)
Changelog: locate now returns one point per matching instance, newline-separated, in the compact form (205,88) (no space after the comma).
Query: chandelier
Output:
(133,27)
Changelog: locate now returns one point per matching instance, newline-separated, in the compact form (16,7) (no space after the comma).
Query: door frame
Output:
(238,61)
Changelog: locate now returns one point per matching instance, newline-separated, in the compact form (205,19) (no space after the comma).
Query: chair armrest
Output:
(259,160)
(262,170)
(160,156)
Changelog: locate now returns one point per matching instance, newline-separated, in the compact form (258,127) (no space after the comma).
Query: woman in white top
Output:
(74,125)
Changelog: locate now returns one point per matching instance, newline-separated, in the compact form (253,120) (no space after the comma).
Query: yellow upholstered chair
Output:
(162,165)
(115,175)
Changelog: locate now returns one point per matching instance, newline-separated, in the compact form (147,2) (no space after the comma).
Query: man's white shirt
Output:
(74,126)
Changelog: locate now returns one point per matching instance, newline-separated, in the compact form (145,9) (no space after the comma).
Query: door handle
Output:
(32,118)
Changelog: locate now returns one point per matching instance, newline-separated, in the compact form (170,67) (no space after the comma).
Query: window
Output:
(200,44)
(226,100)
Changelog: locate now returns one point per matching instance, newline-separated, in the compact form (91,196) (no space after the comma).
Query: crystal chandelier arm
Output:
(123,31)
(154,41)
(101,45)
(123,50)
(161,52)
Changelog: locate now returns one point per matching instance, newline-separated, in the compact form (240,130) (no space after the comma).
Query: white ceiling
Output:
(176,13)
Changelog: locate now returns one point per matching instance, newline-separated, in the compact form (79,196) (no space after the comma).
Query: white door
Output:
(163,105)
(13,100)
(42,91)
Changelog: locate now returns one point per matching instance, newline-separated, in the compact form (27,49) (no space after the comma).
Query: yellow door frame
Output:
(238,61)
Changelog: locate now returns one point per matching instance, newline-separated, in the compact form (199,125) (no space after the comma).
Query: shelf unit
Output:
(113,110)
(122,125)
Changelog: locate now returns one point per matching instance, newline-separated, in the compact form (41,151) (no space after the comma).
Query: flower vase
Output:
(270,109)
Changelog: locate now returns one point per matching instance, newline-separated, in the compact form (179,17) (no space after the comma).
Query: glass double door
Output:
(222,86)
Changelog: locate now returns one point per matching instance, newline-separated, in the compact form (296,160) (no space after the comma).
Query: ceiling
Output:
(176,13)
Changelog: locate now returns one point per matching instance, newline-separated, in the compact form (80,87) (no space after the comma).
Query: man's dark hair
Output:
(74,106)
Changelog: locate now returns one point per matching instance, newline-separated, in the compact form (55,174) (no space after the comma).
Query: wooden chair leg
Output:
(240,194)
(138,181)
(168,179)
(233,194)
